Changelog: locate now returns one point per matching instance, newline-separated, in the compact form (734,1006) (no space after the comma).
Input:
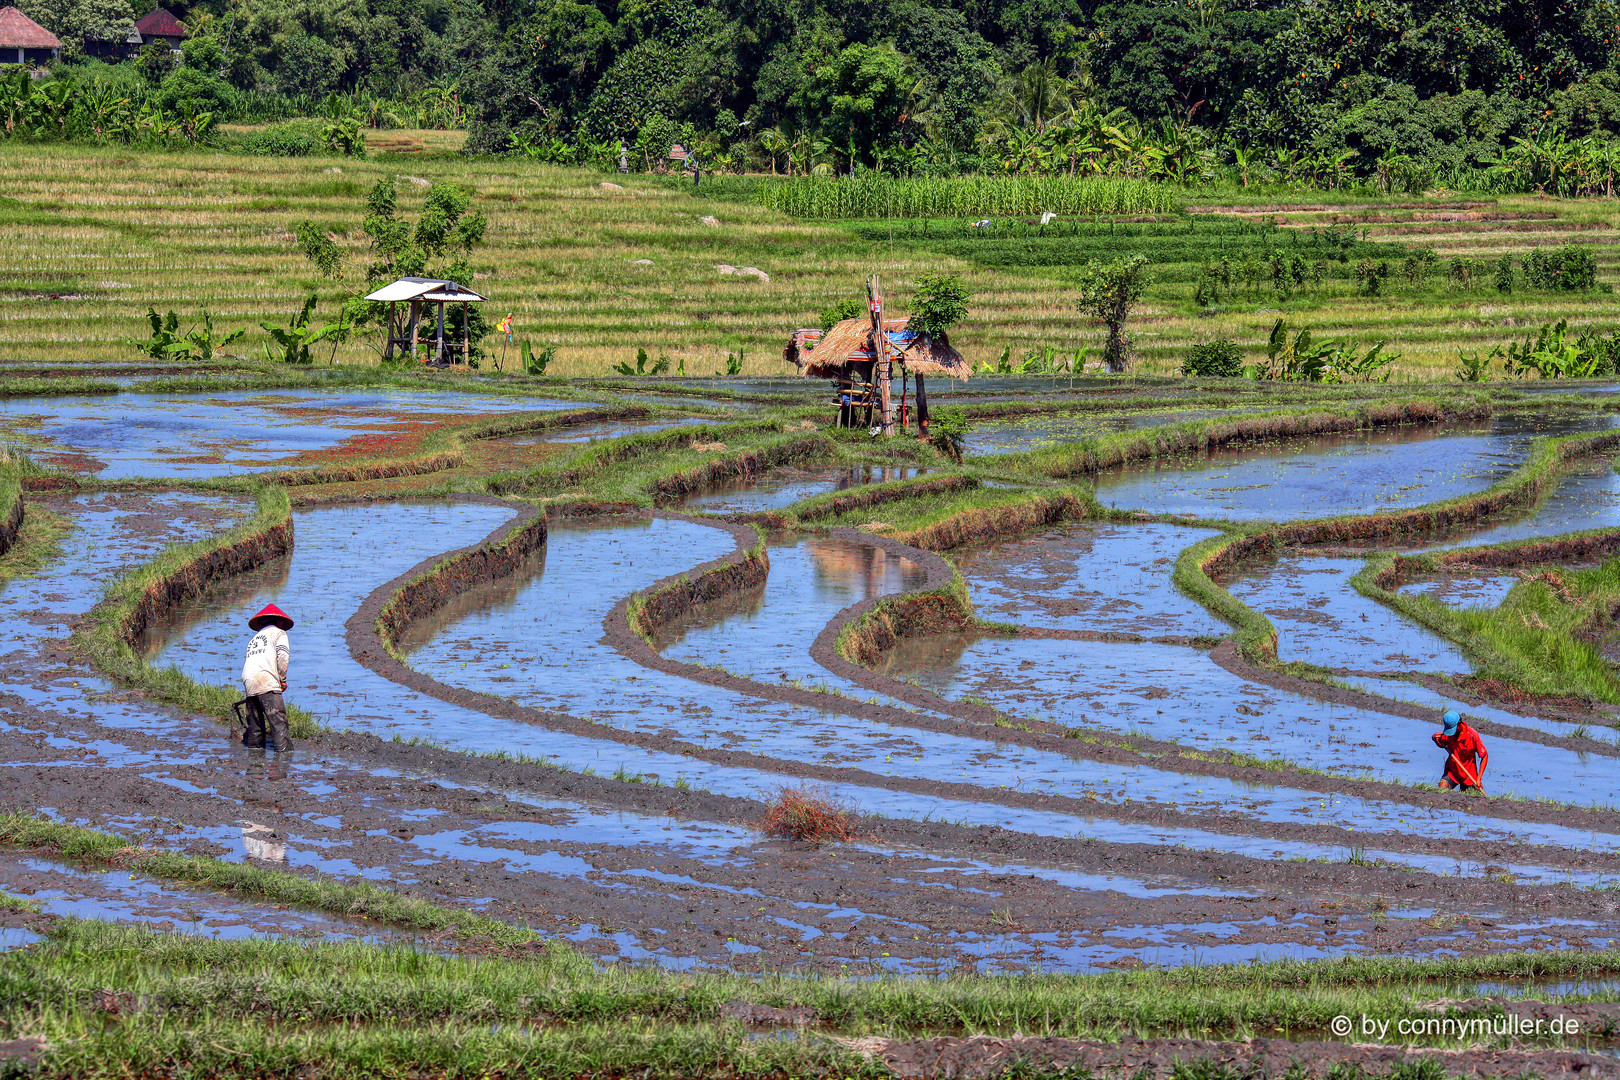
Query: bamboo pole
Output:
(466,336)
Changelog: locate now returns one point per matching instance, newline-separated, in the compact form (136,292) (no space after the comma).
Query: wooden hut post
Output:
(466,336)
(438,344)
(905,378)
(416,325)
(881,367)
(922,408)
(390,332)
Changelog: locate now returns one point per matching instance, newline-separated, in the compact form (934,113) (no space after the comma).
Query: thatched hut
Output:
(846,355)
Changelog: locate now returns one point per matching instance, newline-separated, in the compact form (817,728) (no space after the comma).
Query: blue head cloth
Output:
(1451,720)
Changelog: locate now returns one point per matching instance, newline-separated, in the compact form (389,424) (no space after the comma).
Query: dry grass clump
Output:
(801,814)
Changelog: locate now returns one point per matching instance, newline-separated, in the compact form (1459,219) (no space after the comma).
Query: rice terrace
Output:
(562,572)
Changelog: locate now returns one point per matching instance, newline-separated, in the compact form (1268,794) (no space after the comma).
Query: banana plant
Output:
(295,339)
(199,344)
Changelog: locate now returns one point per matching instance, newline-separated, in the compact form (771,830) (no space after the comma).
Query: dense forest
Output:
(1326,92)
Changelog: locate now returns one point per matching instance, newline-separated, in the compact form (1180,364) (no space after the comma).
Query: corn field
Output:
(965,196)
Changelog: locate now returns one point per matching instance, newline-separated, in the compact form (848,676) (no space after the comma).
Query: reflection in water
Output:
(767,633)
(237,591)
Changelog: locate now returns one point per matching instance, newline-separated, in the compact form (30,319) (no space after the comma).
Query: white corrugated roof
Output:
(453,293)
(408,288)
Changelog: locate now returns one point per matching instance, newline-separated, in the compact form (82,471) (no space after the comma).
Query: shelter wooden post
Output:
(416,325)
(881,368)
(922,408)
(466,336)
(390,333)
(438,341)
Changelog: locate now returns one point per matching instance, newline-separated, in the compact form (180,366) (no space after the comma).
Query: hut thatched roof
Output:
(852,340)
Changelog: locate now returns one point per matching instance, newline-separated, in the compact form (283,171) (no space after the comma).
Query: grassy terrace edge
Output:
(254,883)
(1527,653)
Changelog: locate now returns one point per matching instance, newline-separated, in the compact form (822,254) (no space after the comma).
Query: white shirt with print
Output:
(265,668)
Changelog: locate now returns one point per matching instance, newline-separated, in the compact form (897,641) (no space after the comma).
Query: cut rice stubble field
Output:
(97,236)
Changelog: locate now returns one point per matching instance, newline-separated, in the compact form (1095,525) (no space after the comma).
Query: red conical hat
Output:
(270,614)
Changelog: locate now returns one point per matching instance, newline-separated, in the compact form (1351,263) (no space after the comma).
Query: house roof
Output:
(852,340)
(160,22)
(18,31)
(432,289)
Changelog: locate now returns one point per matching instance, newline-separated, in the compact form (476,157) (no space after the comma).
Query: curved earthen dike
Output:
(1538,475)
(190,581)
(1207,435)
(11,527)
(936,606)
(1511,493)
(750,462)
(452,575)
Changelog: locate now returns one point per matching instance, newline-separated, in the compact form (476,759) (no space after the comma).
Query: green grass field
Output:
(96,236)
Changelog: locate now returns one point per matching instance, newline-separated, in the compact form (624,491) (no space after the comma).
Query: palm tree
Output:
(774,141)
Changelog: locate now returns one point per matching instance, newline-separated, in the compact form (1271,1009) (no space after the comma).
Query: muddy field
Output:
(1091,777)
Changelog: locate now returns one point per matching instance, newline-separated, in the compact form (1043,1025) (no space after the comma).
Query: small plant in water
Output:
(801,814)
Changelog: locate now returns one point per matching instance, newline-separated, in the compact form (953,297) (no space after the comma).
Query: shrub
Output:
(294,138)
(947,432)
(800,814)
(848,308)
(1108,292)
(1418,266)
(939,303)
(1567,268)
(1504,274)
(1371,275)
(1214,360)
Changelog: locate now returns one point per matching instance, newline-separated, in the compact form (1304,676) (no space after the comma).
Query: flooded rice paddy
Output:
(1341,474)
(122,436)
(538,765)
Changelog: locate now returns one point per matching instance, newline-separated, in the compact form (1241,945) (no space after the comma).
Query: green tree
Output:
(1108,292)
(857,100)
(939,303)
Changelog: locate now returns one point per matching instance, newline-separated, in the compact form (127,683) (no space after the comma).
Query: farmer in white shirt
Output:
(264,677)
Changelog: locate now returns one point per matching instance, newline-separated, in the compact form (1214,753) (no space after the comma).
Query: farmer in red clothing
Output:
(1466,756)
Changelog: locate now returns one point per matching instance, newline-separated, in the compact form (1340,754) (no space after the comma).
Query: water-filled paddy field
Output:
(1057,749)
